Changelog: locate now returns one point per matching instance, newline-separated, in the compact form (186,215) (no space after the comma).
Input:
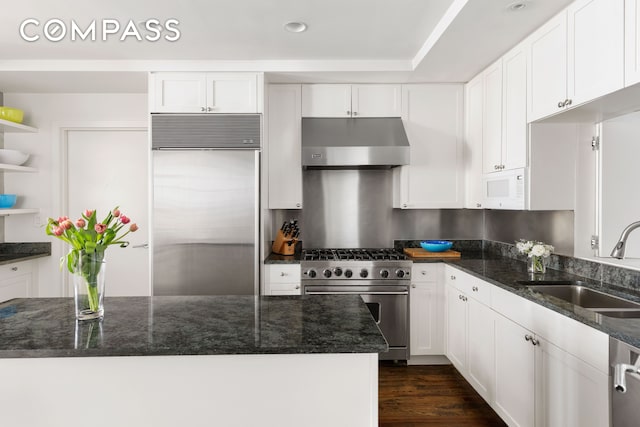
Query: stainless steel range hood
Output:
(362,143)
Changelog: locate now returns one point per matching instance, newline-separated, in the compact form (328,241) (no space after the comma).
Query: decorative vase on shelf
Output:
(88,284)
(537,264)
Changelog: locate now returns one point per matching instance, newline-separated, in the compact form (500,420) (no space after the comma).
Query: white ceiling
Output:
(347,40)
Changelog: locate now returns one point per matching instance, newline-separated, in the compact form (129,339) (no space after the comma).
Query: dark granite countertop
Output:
(506,272)
(190,325)
(14,252)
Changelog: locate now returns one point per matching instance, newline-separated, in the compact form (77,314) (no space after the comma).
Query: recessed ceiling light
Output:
(295,27)
(516,6)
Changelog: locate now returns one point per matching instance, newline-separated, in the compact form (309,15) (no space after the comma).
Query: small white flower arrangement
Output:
(538,252)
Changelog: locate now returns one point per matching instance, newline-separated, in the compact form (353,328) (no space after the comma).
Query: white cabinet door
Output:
(178,93)
(16,280)
(432,115)
(631,42)
(473,142)
(595,49)
(284,147)
(514,392)
(480,347)
(569,392)
(456,331)
(548,68)
(492,119)
(376,100)
(514,108)
(426,310)
(232,93)
(326,100)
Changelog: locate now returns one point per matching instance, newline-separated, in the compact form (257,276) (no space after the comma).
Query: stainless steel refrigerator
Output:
(205,204)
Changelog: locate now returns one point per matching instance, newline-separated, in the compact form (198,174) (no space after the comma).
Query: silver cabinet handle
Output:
(14,268)
(209,109)
(478,205)
(459,296)
(528,337)
(348,112)
(535,341)
(144,246)
(474,289)
(453,277)
(297,286)
(464,299)
(404,205)
(282,273)
(413,285)
(568,102)
(424,273)
(355,113)
(203,109)
(298,205)
(561,104)
(495,167)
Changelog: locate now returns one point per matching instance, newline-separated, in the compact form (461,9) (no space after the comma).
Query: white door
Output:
(631,42)
(178,93)
(492,119)
(514,108)
(105,169)
(456,329)
(326,100)
(473,142)
(376,100)
(480,346)
(596,48)
(232,93)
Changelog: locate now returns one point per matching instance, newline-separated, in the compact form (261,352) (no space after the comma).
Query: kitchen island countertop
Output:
(190,325)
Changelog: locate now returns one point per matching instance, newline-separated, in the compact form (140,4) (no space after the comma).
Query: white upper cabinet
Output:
(346,100)
(432,115)
(631,42)
(492,119)
(284,147)
(514,108)
(204,93)
(548,68)
(595,49)
(473,142)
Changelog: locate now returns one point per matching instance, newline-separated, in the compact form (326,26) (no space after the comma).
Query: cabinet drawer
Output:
(289,273)
(426,272)
(285,289)
(470,285)
(15,269)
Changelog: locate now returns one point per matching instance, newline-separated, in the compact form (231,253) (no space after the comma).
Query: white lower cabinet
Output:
(426,310)
(514,373)
(282,279)
(534,366)
(16,280)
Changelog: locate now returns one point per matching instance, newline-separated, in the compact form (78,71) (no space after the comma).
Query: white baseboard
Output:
(429,360)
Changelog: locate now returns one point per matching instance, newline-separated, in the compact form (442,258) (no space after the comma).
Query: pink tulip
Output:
(66,224)
(124,219)
(100,228)
(62,219)
(58,231)
(80,223)
(133,227)
(88,213)
(116,213)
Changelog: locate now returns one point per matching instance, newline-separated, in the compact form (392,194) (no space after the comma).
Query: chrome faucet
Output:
(618,250)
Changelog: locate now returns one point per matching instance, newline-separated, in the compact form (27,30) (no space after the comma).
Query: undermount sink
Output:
(575,293)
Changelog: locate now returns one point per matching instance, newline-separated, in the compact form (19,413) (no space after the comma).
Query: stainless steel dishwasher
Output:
(625,387)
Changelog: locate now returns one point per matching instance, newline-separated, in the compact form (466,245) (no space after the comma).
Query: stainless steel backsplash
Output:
(353,208)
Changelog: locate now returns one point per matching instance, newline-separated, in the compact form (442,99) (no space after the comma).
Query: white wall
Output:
(49,113)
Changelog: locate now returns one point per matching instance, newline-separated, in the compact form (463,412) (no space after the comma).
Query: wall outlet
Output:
(37,221)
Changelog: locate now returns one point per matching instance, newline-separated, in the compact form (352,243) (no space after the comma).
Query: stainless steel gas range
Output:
(380,276)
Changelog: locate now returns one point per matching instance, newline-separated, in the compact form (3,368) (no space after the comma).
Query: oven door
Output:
(388,304)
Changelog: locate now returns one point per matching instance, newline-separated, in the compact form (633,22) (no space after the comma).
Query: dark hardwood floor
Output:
(416,396)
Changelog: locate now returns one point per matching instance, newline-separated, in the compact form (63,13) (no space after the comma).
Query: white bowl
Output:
(13,157)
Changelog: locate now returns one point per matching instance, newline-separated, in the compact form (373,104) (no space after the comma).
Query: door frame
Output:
(60,171)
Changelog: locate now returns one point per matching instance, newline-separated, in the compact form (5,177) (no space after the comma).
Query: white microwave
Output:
(504,190)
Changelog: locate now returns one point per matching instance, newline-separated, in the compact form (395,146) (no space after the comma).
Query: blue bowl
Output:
(7,200)
(436,245)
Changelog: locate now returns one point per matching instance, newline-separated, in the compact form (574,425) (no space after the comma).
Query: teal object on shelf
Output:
(7,200)
(436,245)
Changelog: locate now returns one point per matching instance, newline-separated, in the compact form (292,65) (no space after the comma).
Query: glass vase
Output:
(88,284)
(537,264)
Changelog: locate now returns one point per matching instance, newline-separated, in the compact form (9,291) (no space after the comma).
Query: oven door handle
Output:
(353,293)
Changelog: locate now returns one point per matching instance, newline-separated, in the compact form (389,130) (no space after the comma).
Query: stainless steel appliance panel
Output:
(625,386)
(205,222)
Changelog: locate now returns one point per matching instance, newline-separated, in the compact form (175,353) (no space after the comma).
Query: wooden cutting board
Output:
(421,253)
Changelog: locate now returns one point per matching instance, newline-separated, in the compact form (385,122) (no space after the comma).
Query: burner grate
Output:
(352,254)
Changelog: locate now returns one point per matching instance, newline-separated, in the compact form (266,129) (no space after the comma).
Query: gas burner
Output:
(383,254)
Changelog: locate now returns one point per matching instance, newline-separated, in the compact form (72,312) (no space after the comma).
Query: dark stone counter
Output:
(283,259)
(15,252)
(190,325)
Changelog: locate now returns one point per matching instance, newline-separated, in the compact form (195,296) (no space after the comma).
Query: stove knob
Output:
(384,273)
(312,273)
(400,273)
(326,273)
(348,273)
(337,271)
(364,273)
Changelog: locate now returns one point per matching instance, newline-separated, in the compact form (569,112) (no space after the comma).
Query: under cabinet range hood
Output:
(363,143)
